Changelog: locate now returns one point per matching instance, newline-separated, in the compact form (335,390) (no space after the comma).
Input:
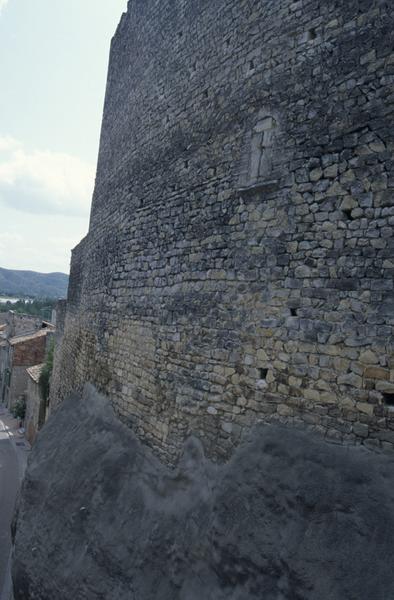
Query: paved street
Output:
(13,455)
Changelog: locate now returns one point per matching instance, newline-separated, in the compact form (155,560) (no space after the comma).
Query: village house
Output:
(17,354)
(13,323)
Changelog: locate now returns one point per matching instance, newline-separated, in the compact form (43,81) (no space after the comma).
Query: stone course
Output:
(240,258)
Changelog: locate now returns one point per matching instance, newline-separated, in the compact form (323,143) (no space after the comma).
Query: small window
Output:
(347,212)
(312,34)
(263,374)
(388,399)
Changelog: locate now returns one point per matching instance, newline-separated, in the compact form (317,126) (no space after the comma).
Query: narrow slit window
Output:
(263,374)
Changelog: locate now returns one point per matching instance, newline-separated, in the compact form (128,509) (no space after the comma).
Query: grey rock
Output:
(290,516)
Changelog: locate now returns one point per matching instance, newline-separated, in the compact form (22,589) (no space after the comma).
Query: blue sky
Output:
(53,68)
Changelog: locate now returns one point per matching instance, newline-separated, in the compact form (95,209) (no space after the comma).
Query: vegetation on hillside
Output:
(33,284)
(41,308)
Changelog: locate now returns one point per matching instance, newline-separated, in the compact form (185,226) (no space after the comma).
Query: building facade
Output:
(17,354)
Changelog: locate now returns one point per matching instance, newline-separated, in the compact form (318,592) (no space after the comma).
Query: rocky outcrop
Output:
(289,517)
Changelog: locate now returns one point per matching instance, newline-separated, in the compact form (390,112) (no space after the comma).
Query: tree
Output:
(45,376)
(19,409)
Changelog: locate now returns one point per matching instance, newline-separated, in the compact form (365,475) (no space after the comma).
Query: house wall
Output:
(18,385)
(30,352)
(239,263)
(17,356)
(19,324)
(24,324)
(61,310)
(5,367)
(35,410)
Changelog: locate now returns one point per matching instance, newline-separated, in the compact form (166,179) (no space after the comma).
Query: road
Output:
(9,484)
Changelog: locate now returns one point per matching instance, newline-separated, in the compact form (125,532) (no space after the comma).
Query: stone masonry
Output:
(240,258)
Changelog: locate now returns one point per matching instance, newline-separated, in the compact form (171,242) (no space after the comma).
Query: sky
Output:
(53,70)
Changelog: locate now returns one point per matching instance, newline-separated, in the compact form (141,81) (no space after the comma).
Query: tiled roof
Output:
(35,372)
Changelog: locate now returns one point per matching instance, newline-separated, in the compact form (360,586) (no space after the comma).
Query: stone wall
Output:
(22,324)
(239,263)
(35,405)
(5,371)
(59,382)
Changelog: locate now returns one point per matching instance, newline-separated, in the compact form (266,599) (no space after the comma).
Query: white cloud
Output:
(2,4)
(38,242)
(44,182)
(9,238)
(8,143)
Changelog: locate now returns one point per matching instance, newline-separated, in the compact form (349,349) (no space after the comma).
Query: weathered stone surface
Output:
(291,516)
(242,219)
(385,386)
(377,373)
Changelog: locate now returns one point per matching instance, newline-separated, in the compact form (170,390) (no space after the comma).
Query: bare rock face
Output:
(290,517)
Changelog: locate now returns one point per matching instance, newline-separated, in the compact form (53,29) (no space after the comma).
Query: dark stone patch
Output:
(290,516)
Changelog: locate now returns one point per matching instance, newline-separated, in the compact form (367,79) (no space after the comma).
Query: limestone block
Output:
(385,387)
(350,379)
(313,395)
(285,411)
(368,357)
(361,429)
(365,408)
(376,373)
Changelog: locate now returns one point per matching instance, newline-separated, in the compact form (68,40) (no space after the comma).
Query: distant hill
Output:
(30,283)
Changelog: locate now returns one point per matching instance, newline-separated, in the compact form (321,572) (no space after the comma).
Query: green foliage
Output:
(19,410)
(45,376)
(41,308)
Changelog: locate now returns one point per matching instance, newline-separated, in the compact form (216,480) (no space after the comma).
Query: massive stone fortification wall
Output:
(239,263)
